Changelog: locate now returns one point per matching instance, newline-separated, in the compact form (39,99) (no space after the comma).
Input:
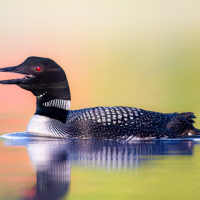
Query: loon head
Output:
(47,81)
(42,75)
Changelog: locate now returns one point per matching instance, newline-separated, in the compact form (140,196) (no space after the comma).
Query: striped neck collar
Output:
(58,103)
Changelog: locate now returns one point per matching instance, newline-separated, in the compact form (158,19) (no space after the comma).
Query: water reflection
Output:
(53,159)
(53,170)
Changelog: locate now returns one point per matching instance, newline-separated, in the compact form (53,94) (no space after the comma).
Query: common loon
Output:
(53,117)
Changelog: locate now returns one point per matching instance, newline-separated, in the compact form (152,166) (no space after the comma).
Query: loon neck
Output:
(52,107)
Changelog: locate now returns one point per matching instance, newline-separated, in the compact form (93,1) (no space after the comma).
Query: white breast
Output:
(45,126)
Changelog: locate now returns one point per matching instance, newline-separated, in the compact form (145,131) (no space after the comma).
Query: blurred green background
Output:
(138,53)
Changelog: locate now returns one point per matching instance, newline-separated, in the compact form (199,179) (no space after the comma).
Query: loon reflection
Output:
(52,166)
(52,158)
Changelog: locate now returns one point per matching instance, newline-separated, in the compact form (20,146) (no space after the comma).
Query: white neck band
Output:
(58,103)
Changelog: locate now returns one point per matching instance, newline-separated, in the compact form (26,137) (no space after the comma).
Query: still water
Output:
(38,168)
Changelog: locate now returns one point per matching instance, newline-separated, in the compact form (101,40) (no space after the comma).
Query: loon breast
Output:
(45,126)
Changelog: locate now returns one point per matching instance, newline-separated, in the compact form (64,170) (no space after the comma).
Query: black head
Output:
(42,75)
(47,81)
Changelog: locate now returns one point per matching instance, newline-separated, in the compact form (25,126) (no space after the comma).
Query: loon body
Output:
(53,117)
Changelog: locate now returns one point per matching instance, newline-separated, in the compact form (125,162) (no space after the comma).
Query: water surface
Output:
(49,169)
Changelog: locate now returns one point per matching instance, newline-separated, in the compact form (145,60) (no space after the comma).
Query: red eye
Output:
(38,68)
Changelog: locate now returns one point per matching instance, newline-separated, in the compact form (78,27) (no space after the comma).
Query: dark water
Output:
(49,169)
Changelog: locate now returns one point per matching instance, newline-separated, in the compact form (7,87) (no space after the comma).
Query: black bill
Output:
(15,81)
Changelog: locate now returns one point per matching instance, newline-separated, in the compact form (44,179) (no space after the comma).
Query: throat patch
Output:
(40,96)
(58,103)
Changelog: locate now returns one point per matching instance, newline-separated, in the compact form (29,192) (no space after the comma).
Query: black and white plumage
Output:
(53,117)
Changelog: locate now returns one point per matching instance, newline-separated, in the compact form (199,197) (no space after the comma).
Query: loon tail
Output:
(189,117)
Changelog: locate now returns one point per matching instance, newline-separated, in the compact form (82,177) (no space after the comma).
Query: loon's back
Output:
(126,123)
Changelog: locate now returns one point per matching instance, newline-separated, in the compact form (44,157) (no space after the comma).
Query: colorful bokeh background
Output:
(138,53)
